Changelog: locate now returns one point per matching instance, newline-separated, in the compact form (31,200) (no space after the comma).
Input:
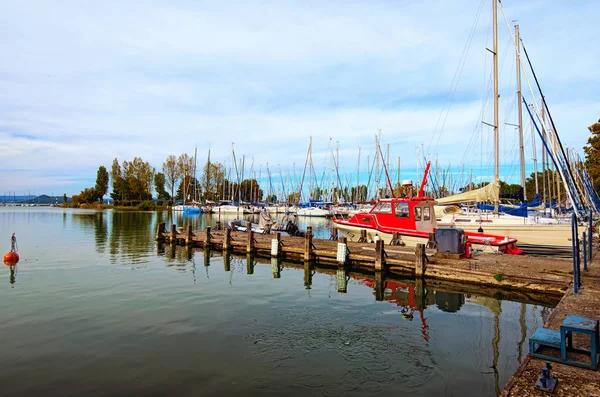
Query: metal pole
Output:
(520,113)
(590,234)
(496,137)
(585,257)
(574,245)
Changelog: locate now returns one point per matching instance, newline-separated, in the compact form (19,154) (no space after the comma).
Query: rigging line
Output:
(457,75)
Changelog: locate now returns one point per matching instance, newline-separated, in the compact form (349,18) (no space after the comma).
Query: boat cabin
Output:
(413,214)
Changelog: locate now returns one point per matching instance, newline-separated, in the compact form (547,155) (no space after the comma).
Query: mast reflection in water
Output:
(101,309)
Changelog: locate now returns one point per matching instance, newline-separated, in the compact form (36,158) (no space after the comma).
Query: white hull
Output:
(313,211)
(231,209)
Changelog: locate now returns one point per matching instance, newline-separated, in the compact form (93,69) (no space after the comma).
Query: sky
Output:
(82,83)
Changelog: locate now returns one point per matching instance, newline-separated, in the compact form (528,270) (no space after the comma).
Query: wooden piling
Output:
(206,256)
(207,237)
(275,245)
(173,236)
(307,275)
(342,252)
(249,264)
(227,239)
(227,261)
(250,241)
(218,225)
(275,268)
(379,286)
(334,234)
(189,235)
(431,243)
(308,245)
(420,261)
(160,230)
(363,236)
(420,294)
(379,256)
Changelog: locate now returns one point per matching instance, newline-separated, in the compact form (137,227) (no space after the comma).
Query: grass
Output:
(499,276)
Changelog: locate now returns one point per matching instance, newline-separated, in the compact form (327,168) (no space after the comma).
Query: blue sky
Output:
(84,82)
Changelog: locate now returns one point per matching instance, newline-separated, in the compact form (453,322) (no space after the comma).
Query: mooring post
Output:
(431,243)
(160,230)
(227,261)
(585,253)
(206,257)
(189,235)
(341,282)
(363,236)
(342,251)
(218,225)
(207,237)
(249,263)
(379,255)
(275,267)
(308,245)
(275,244)
(250,244)
(420,294)
(227,239)
(307,275)
(379,286)
(173,234)
(420,261)
(334,234)
(575,252)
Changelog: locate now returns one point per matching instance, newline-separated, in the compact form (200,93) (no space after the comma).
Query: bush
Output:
(170,203)
(159,203)
(147,206)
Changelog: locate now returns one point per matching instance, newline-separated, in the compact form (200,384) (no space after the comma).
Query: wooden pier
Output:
(539,275)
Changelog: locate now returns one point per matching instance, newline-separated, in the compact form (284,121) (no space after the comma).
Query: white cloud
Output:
(82,83)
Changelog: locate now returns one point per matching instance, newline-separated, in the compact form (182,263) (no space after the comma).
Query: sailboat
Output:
(193,207)
(533,236)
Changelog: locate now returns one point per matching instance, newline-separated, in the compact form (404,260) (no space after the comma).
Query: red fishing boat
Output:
(413,218)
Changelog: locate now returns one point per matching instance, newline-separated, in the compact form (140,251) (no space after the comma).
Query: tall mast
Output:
(357,199)
(496,123)
(520,112)
(535,171)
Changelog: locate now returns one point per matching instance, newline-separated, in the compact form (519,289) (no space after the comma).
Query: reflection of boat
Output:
(413,218)
(448,301)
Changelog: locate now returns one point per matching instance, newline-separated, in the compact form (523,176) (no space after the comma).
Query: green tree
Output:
(271,198)
(592,154)
(171,172)
(65,200)
(185,170)
(293,198)
(213,180)
(101,182)
(159,186)
(186,189)
(119,187)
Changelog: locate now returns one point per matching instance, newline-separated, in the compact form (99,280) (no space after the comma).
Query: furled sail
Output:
(490,192)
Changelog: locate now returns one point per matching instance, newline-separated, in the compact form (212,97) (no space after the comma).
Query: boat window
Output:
(383,208)
(402,210)
(426,214)
(417,213)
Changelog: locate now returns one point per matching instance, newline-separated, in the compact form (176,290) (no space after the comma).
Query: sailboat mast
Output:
(520,112)
(496,123)
(357,198)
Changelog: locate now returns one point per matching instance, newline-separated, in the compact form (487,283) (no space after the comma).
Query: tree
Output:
(118,183)
(592,155)
(185,170)
(65,198)
(186,189)
(171,173)
(159,186)
(213,180)
(271,198)
(133,180)
(101,182)
(293,198)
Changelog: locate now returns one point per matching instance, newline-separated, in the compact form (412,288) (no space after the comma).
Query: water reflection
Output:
(131,236)
(93,222)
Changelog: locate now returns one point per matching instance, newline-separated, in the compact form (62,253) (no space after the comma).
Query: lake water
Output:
(96,308)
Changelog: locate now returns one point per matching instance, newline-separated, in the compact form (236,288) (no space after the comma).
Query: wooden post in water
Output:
(250,244)
(207,237)
(275,267)
(379,255)
(308,245)
(173,236)
(227,261)
(341,282)
(189,235)
(420,294)
(334,234)
(218,225)
(275,245)
(342,251)
(420,261)
(379,286)
(227,239)
(249,263)
(160,230)
(363,236)
(307,275)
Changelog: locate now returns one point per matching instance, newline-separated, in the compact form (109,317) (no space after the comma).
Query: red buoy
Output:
(11,258)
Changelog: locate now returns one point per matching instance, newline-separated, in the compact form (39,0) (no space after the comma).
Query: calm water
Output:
(96,308)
